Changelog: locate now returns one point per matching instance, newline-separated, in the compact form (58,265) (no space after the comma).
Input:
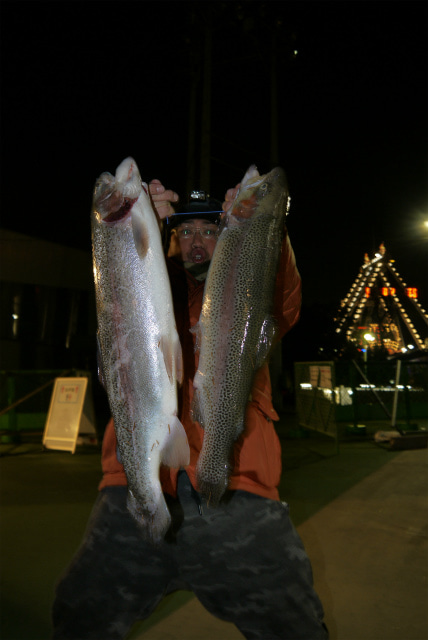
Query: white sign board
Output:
(320,376)
(71,414)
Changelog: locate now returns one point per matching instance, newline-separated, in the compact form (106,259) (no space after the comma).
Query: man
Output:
(242,559)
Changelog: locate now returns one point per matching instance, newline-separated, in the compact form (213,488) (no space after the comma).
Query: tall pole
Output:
(191,144)
(274,153)
(206,113)
(275,365)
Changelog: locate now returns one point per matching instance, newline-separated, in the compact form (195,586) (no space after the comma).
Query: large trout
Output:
(139,347)
(236,329)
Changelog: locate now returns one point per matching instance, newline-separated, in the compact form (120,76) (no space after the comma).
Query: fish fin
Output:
(196,331)
(268,334)
(140,233)
(195,410)
(239,428)
(100,367)
(173,357)
(175,450)
(178,357)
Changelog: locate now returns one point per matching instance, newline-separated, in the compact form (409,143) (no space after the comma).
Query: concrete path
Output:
(369,552)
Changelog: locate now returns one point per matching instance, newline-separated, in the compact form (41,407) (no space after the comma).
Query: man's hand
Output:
(162,199)
(230,197)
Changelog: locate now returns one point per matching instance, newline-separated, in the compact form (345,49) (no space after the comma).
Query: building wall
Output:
(47,308)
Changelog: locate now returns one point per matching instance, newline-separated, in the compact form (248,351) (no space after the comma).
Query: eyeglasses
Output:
(207,232)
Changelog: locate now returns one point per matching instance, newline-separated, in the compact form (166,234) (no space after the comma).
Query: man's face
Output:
(194,241)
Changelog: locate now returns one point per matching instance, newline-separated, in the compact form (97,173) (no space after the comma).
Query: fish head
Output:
(115,195)
(259,195)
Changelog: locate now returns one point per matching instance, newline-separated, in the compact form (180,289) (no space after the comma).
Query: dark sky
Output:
(85,84)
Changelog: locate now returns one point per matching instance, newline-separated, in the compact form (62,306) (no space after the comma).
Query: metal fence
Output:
(315,403)
(328,393)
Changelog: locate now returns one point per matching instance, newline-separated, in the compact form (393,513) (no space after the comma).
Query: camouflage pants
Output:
(243,560)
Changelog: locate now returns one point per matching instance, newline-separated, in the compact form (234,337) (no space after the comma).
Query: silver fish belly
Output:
(236,329)
(138,343)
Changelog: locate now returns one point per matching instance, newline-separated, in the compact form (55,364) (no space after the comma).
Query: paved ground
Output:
(370,554)
(369,551)
(362,515)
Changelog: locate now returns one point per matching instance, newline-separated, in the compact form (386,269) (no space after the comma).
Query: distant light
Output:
(369,337)
(410,346)
(15,316)
(426,224)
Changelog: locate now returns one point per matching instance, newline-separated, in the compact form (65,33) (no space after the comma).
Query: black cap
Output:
(200,205)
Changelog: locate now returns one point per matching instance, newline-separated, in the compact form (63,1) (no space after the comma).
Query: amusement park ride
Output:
(381,311)
(382,316)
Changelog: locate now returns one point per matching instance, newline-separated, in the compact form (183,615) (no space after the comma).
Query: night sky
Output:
(86,84)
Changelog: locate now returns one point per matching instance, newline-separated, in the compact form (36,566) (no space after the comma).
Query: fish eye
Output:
(264,186)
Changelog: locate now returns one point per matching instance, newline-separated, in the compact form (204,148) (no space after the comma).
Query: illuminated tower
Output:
(380,310)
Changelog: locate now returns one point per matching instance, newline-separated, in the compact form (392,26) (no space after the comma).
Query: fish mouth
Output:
(120,213)
(198,255)
(114,207)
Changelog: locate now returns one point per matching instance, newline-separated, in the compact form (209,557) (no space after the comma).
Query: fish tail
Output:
(212,482)
(154,522)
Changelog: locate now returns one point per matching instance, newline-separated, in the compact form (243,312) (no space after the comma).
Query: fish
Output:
(140,358)
(236,329)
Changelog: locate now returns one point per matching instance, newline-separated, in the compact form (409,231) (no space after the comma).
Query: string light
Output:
(373,283)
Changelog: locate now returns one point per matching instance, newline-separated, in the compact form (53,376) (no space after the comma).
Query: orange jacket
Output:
(256,459)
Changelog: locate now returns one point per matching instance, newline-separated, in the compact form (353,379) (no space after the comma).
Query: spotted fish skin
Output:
(236,329)
(138,343)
